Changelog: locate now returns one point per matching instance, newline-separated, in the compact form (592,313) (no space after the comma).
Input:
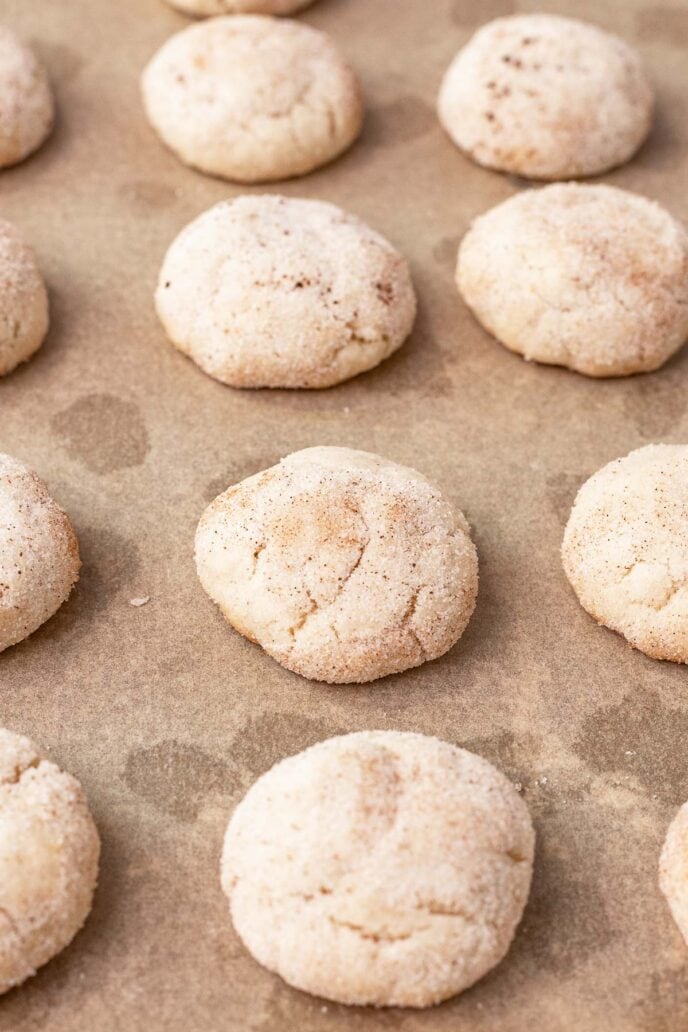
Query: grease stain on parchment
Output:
(513,754)
(146,193)
(175,777)
(565,921)
(562,489)
(111,562)
(400,121)
(665,999)
(270,737)
(64,64)
(656,404)
(446,250)
(103,432)
(642,737)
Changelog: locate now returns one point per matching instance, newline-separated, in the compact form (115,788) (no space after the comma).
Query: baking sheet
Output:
(167,716)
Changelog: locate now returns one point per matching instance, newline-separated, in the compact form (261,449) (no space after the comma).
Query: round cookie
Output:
(410,895)
(23,301)
(26,102)
(269,291)
(625,549)
(49,851)
(342,565)
(673,870)
(252,98)
(589,277)
(546,97)
(39,553)
(205,8)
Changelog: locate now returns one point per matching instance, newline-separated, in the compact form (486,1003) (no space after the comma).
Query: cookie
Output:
(26,101)
(546,97)
(252,98)
(589,277)
(49,851)
(673,870)
(269,291)
(39,553)
(204,8)
(380,868)
(625,549)
(23,300)
(342,565)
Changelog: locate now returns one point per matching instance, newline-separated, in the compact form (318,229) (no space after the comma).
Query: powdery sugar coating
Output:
(49,851)
(589,277)
(673,870)
(625,549)
(26,102)
(271,292)
(203,8)
(344,567)
(23,301)
(252,98)
(379,868)
(39,553)
(546,97)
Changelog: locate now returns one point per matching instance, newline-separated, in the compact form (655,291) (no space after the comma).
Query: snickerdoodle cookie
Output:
(589,277)
(546,97)
(26,100)
(39,554)
(380,868)
(252,98)
(342,565)
(625,549)
(267,291)
(49,851)
(23,300)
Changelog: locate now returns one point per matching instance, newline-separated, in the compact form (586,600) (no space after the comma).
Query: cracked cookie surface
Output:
(381,867)
(546,97)
(49,851)
(252,98)
(271,291)
(625,549)
(24,300)
(26,100)
(39,553)
(585,276)
(343,566)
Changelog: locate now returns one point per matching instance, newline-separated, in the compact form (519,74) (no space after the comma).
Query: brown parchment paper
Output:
(164,713)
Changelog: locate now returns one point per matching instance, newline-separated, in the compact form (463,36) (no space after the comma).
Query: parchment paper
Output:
(164,713)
